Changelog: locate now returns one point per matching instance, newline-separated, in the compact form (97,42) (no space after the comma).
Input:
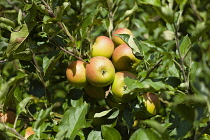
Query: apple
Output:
(151,102)
(94,92)
(118,86)
(8,117)
(100,71)
(76,73)
(28,132)
(117,40)
(123,58)
(103,46)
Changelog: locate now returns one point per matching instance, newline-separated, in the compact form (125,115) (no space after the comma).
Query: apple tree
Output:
(161,92)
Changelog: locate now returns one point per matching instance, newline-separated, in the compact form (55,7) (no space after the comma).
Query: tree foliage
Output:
(39,38)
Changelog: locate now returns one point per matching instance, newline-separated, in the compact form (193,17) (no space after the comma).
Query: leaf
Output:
(185,46)
(112,113)
(133,43)
(166,13)
(151,2)
(110,133)
(158,127)
(144,134)
(6,23)
(21,106)
(94,135)
(41,117)
(73,120)
(200,29)
(49,64)
(128,118)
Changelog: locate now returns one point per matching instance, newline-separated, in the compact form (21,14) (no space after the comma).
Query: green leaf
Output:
(22,105)
(49,64)
(41,117)
(185,46)
(128,118)
(166,13)
(151,2)
(144,134)
(110,133)
(200,29)
(73,120)
(112,113)
(94,135)
(7,23)
(158,127)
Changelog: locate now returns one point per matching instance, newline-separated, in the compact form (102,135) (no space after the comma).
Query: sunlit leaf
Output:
(110,133)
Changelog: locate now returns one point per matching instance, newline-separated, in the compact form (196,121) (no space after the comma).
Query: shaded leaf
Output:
(165,13)
(110,133)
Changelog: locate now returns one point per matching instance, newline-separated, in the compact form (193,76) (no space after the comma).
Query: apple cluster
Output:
(111,61)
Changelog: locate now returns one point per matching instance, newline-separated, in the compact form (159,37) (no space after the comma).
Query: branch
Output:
(195,11)
(60,24)
(68,52)
(15,132)
(150,71)
(179,53)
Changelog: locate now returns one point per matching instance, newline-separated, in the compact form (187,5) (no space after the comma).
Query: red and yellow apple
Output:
(94,92)
(123,58)
(100,71)
(76,73)
(103,46)
(8,117)
(151,102)
(117,40)
(119,86)
(28,132)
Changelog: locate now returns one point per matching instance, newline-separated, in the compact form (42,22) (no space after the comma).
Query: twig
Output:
(150,71)
(195,11)
(68,52)
(202,131)
(60,24)
(40,75)
(14,6)
(179,53)
(15,132)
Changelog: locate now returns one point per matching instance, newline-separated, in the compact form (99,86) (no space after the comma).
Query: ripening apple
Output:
(100,71)
(117,40)
(8,117)
(123,58)
(119,86)
(28,132)
(76,73)
(103,46)
(151,102)
(94,92)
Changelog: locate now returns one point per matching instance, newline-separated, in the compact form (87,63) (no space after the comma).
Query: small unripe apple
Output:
(103,46)
(7,117)
(117,40)
(119,86)
(100,71)
(123,58)
(94,92)
(151,102)
(28,132)
(76,73)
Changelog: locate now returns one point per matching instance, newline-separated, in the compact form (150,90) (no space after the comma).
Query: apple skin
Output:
(151,102)
(76,73)
(100,71)
(94,92)
(28,132)
(8,117)
(117,40)
(118,86)
(123,58)
(103,46)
